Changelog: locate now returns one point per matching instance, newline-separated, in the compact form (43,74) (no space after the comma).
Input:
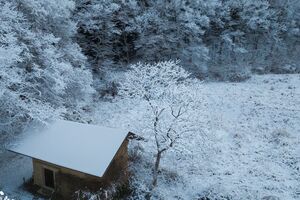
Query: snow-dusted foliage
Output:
(42,70)
(222,39)
(127,31)
(160,85)
(251,35)
(152,81)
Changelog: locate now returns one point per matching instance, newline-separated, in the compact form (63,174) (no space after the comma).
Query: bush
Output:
(285,69)
(233,73)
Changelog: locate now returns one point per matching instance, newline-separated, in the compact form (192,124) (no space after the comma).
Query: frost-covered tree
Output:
(106,31)
(235,27)
(160,85)
(130,31)
(249,35)
(226,40)
(166,134)
(42,70)
(172,30)
(152,81)
(97,30)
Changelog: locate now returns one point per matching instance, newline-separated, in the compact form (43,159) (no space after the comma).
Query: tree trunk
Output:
(156,167)
(155,174)
(127,48)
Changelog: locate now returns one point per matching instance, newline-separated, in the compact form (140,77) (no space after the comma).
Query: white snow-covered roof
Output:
(81,147)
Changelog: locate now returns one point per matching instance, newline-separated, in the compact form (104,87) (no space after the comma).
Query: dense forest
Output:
(52,52)
(220,39)
(77,59)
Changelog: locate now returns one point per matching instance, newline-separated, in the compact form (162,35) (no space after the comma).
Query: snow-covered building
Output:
(68,156)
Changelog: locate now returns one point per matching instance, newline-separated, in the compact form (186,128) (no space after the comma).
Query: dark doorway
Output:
(49,178)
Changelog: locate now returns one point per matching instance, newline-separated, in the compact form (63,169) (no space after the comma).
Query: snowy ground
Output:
(249,146)
(254,133)
(14,168)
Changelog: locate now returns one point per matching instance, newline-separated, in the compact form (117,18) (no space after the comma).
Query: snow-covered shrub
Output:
(233,73)
(280,137)
(113,192)
(109,89)
(214,193)
(270,198)
(285,69)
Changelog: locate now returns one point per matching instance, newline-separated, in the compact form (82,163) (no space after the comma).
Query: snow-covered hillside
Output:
(249,146)
(152,67)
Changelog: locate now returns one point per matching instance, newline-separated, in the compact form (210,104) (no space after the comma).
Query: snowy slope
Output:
(249,146)
(253,131)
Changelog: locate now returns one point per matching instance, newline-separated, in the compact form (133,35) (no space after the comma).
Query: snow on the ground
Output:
(13,170)
(255,134)
(249,147)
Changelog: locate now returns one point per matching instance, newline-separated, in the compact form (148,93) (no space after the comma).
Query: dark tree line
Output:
(224,39)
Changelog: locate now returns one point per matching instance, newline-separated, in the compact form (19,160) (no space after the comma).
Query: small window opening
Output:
(49,178)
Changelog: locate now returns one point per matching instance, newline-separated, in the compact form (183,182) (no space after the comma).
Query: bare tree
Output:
(164,138)
(161,86)
(169,125)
